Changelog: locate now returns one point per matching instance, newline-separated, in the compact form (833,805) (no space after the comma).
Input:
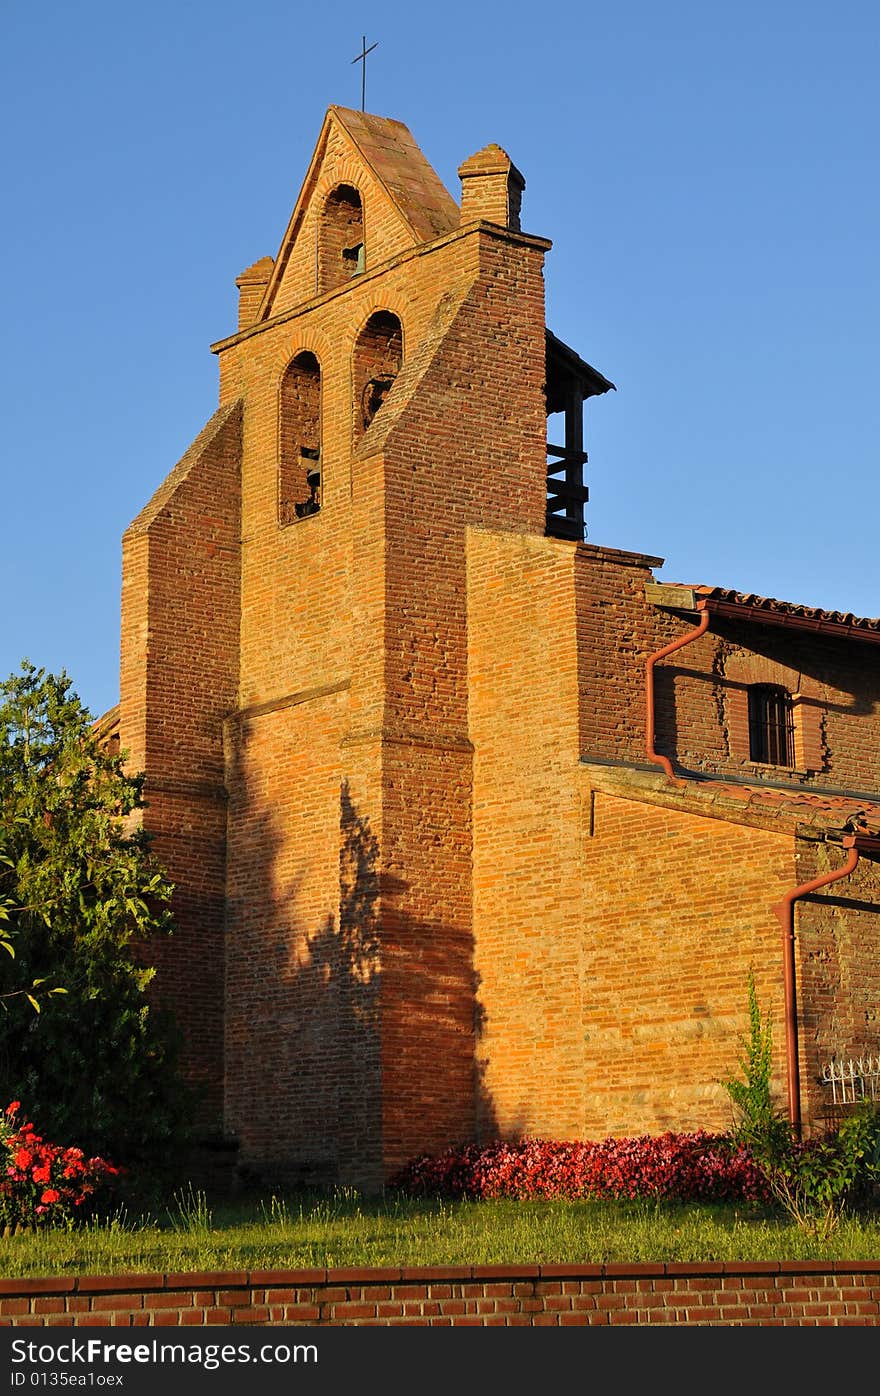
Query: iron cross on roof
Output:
(362,58)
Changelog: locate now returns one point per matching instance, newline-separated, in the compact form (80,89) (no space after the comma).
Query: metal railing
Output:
(852,1079)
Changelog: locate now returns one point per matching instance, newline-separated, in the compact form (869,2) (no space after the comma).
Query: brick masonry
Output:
(749,1294)
(429,886)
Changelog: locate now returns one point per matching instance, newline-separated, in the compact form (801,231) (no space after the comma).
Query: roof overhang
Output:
(564,364)
(760,610)
(795,812)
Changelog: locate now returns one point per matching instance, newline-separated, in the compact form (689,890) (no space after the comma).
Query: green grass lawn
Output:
(300,1231)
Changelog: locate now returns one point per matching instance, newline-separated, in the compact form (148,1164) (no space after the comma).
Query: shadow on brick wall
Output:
(350,1048)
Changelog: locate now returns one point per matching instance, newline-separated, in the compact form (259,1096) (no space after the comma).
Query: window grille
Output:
(771,726)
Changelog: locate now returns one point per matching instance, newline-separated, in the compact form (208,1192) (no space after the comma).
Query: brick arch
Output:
(378,302)
(341,169)
(345,170)
(744,670)
(305,340)
(744,667)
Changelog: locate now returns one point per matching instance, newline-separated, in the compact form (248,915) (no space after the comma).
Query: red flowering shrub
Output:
(42,1184)
(686,1167)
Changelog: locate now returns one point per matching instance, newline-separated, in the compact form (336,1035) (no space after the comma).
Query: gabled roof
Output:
(389,149)
(423,203)
(767,610)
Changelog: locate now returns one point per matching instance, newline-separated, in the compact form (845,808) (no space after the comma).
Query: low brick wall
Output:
(796,1293)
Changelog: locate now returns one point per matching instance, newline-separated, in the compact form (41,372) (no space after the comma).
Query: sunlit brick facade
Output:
(433,882)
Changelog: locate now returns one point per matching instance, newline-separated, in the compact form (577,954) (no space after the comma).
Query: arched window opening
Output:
(378,353)
(299,492)
(771,725)
(341,238)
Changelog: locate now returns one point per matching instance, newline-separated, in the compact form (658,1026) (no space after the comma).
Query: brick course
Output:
(739,1295)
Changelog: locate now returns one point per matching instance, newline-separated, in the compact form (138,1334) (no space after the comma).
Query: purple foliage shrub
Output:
(685,1167)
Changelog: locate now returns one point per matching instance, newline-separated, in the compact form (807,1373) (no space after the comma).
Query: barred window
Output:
(771,725)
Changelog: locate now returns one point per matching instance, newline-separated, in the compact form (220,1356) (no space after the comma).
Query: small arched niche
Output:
(378,353)
(299,483)
(340,238)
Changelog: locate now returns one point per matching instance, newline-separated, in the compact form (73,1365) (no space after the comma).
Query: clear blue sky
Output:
(708,175)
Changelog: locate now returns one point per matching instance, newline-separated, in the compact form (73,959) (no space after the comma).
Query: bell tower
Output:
(295,650)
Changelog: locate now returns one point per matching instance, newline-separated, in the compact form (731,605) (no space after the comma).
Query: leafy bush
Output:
(816,1180)
(687,1167)
(812,1180)
(43,1184)
(859,1138)
(82,896)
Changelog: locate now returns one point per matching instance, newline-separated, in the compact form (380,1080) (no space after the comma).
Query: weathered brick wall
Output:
(299,1021)
(427,951)
(613,938)
(179,677)
(700,690)
(468,447)
(839,681)
(749,1294)
(299,596)
(615,633)
(528,846)
(314,613)
(370,593)
(677,908)
(838,969)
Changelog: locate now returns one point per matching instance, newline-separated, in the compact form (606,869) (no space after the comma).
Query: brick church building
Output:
(477,829)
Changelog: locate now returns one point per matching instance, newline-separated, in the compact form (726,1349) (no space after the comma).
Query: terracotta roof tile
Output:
(774,608)
(772,807)
(844,811)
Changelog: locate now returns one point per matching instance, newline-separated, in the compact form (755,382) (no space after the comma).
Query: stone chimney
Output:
(491,188)
(251,286)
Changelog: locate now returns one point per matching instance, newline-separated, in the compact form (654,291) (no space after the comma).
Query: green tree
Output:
(81,896)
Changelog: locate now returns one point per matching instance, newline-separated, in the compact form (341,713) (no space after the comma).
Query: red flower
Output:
(30,1162)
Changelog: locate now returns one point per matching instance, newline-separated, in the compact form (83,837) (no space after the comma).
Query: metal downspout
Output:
(784,912)
(652,659)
